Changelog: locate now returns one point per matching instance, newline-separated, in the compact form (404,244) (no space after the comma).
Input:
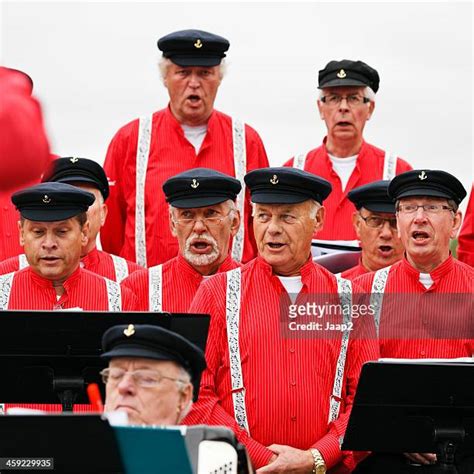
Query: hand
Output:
(289,461)
(422,458)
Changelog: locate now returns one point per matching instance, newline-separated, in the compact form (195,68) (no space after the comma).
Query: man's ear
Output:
(320,108)
(172,224)
(319,220)
(371,109)
(457,220)
(104,210)
(85,233)
(21,234)
(356,222)
(235,224)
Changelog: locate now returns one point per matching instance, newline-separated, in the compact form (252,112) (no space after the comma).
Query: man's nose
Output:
(126,385)
(343,105)
(49,241)
(386,230)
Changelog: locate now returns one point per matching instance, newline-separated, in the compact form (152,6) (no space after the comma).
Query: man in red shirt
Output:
(424,303)
(345,159)
(466,236)
(53,231)
(204,219)
(151,373)
(188,134)
(88,175)
(284,384)
(375,224)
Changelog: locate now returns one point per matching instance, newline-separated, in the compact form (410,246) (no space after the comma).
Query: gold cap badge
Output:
(73,160)
(195,183)
(130,331)
(341,74)
(198,44)
(274,179)
(422,176)
(46,199)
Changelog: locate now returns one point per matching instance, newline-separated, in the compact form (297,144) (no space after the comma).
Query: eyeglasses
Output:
(377,222)
(353,100)
(428,208)
(145,378)
(213,221)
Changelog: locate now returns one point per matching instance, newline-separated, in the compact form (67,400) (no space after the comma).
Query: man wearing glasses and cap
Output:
(189,133)
(345,159)
(375,224)
(53,231)
(87,175)
(203,218)
(151,373)
(285,392)
(424,303)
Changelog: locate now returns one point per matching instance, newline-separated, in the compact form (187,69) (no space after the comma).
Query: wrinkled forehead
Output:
(422,200)
(201,210)
(27,223)
(281,208)
(135,363)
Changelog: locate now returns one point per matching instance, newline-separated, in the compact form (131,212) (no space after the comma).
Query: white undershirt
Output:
(292,285)
(195,135)
(343,167)
(426,280)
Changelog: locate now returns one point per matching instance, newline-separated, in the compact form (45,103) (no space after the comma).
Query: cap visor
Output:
(380,207)
(277,198)
(420,192)
(76,179)
(190,203)
(52,215)
(342,83)
(188,60)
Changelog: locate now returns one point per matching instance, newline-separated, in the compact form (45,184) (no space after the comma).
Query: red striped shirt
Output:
(179,285)
(288,380)
(83,289)
(354,272)
(416,322)
(170,153)
(96,261)
(339,210)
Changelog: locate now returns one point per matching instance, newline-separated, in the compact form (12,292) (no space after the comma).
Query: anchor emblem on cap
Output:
(195,184)
(341,74)
(422,176)
(130,331)
(274,179)
(198,44)
(46,199)
(74,160)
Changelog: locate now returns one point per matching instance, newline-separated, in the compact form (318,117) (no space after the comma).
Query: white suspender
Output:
(344,288)
(232,322)
(143,150)
(299,161)
(240,165)
(120,267)
(22,261)
(389,165)
(377,292)
(155,288)
(114,295)
(5,290)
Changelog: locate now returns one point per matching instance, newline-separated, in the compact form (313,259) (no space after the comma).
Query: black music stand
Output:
(414,407)
(76,443)
(51,357)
